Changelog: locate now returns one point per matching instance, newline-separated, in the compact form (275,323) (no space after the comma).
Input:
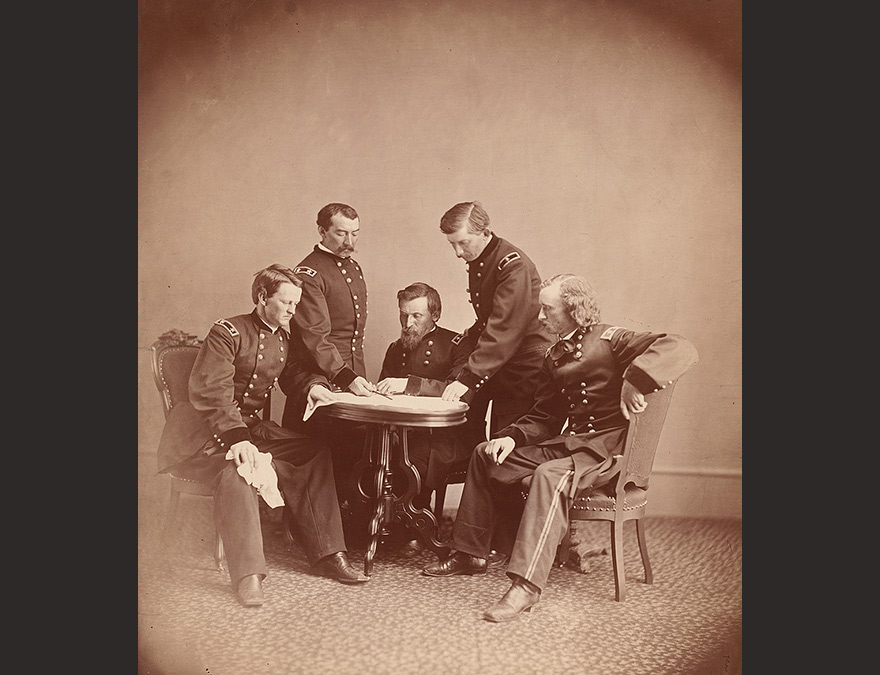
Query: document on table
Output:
(397,401)
(312,406)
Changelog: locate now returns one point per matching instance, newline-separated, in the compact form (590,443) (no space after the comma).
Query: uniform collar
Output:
(323,249)
(262,325)
(567,344)
(491,246)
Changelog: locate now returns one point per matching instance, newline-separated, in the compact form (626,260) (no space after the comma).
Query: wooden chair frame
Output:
(629,498)
(177,344)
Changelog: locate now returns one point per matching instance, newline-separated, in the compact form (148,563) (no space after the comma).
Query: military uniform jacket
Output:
(239,363)
(503,284)
(429,367)
(332,314)
(581,381)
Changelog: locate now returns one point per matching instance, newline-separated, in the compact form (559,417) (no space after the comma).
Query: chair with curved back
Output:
(172,358)
(623,499)
(626,498)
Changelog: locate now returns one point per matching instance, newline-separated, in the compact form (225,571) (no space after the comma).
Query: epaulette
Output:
(302,269)
(233,331)
(457,339)
(509,258)
(609,332)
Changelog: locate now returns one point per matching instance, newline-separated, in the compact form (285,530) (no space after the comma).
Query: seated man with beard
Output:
(425,359)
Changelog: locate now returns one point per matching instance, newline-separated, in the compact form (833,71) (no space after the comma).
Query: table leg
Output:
(422,520)
(388,507)
(378,516)
(362,466)
(382,494)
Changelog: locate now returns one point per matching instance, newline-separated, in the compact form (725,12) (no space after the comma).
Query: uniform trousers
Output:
(511,392)
(346,439)
(434,453)
(305,478)
(544,518)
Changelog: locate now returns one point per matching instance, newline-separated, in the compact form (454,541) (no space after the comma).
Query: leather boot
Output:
(457,563)
(336,566)
(250,591)
(520,597)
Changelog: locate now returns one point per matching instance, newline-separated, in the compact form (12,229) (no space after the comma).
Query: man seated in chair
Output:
(595,376)
(218,438)
(422,362)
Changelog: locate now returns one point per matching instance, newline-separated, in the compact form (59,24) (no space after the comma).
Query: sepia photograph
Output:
(440,337)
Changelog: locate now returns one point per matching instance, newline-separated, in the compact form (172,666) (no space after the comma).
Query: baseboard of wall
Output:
(697,493)
(675,491)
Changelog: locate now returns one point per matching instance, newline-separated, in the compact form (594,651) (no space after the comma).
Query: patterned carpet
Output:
(688,622)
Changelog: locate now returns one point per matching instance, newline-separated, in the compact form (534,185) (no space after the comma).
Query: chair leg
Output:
(562,551)
(439,499)
(617,558)
(218,551)
(643,548)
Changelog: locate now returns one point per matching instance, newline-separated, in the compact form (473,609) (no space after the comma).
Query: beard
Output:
(412,337)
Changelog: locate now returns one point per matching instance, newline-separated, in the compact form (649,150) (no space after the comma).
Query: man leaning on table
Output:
(506,340)
(330,319)
(332,314)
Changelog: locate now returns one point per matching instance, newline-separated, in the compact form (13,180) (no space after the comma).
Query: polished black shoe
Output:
(497,558)
(518,599)
(337,567)
(456,563)
(250,591)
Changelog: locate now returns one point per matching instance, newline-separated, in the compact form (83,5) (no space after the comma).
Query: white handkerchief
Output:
(263,478)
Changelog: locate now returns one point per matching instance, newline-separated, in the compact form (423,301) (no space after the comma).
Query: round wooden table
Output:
(387,418)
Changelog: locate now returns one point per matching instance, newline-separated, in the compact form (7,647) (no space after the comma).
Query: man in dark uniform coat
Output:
(333,311)
(595,376)
(331,318)
(506,342)
(217,431)
(422,362)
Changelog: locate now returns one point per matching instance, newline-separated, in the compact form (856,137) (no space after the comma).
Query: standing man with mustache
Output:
(331,318)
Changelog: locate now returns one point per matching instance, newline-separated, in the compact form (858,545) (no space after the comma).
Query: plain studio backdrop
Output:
(604,138)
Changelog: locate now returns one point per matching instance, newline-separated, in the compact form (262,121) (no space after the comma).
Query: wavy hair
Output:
(578,297)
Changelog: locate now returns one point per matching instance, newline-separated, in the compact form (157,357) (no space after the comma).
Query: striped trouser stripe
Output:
(545,531)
